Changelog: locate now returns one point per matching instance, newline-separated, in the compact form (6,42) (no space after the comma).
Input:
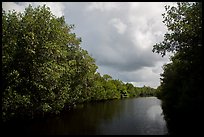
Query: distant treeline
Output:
(44,70)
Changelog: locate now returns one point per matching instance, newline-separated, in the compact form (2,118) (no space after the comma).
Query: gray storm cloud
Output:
(119,36)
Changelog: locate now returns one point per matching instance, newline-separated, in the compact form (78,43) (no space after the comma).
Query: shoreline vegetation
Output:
(181,89)
(89,113)
(45,71)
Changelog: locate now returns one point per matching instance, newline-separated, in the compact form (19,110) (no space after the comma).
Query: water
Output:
(133,116)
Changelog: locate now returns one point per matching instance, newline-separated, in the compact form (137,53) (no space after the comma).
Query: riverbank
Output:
(129,116)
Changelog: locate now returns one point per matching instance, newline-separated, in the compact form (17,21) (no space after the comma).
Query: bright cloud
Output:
(56,7)
(119,36)
(119,25)
(102,6)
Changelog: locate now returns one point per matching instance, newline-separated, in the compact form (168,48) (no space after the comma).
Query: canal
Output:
(130,116)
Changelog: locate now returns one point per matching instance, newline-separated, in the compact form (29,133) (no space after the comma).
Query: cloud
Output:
(119,25)
(102,6)
(119,36)
(56,7)
(19,7)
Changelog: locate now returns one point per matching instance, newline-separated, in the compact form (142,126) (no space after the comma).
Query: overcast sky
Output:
(119,36)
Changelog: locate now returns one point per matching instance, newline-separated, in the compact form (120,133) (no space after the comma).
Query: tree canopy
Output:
(44,69)
(181,82)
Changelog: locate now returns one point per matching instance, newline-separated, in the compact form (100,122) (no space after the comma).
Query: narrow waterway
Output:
(131,116)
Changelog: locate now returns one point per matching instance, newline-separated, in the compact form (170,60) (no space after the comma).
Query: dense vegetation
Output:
(181,83)
(44,69)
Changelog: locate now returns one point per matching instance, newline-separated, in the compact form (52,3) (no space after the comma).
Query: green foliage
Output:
(131,90)
(44,70)
(184,24)
(180,88)
(147,91)
(34,59)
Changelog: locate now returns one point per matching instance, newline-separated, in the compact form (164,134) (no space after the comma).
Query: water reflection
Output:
(83,120)
(136,116)
(153,112)
(140,116)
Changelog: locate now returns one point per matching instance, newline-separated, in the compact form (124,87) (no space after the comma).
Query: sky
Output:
(118,35)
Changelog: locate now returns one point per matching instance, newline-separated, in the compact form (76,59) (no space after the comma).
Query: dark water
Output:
(134,116)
